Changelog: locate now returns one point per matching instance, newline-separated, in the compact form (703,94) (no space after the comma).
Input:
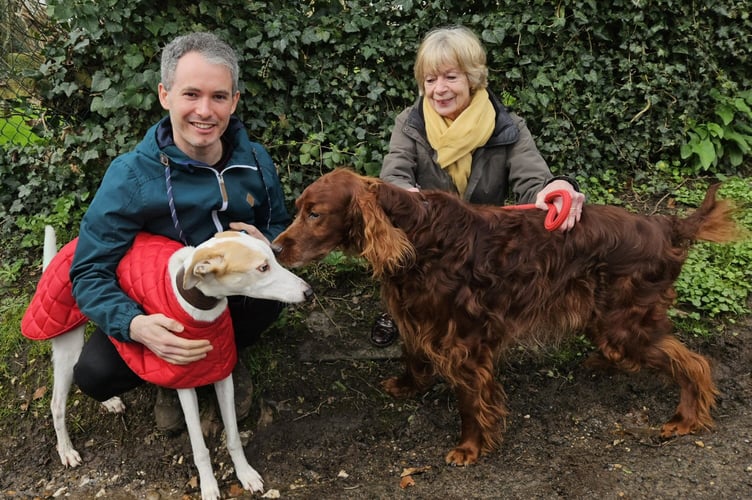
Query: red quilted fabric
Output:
(144,276)
(52,310)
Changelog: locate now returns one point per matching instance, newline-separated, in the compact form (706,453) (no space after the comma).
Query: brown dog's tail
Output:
(713,221)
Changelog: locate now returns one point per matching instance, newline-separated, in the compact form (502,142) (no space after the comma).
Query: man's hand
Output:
(250,229)
(578,199)
(157,333)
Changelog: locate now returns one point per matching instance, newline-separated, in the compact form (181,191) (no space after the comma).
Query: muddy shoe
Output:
(241,379)
(384,331)
(168,414)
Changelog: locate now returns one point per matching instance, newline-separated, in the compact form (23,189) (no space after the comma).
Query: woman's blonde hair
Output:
(452,46)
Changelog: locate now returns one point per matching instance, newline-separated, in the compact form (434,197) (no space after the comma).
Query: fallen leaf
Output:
(236,490)
(414,470)
(39,393)
(406,482)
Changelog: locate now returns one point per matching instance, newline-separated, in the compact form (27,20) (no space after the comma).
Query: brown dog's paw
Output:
(395,387)
(677,427)
(596,361)
(462,455)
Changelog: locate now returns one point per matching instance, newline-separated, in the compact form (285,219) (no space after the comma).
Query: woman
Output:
(458,137)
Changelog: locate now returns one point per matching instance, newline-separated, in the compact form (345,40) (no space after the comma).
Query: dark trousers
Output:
(101,373)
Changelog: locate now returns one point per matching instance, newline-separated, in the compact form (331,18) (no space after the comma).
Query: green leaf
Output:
(742,141)
(100,82)
(726,113)
(715,130)
(134,60)
(706,151)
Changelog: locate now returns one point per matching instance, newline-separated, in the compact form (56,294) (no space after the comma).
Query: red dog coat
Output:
(143,274)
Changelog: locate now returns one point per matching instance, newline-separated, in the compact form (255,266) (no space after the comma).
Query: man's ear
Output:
(164,99)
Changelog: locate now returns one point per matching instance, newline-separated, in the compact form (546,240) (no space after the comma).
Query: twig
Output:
(642,112)
(655,208)
(326,313)
(314,412)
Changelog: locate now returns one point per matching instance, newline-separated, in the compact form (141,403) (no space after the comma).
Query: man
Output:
(194,173)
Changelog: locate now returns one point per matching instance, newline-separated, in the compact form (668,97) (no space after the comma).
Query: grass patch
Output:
(716,280)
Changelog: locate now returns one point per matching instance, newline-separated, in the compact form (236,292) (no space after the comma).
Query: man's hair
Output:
(210,46)
(452,46)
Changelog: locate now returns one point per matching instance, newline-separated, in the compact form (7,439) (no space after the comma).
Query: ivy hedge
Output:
(612,91)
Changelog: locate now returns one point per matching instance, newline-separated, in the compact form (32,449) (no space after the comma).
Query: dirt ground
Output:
(322,428)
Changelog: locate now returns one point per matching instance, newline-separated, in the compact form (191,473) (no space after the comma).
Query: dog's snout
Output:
(308,293)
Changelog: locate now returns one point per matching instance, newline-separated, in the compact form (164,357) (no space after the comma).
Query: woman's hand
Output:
(575,211)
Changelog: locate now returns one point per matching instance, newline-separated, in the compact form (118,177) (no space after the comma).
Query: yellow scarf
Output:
(455,141)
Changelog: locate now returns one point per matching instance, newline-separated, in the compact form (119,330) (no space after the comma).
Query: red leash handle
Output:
(554,219)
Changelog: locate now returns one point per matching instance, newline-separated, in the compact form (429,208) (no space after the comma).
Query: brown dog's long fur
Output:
(465,282)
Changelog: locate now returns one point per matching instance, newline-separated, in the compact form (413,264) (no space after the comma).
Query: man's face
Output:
(200,103)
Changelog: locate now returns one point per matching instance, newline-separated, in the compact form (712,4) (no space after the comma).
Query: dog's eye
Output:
(263,268)
(313,215)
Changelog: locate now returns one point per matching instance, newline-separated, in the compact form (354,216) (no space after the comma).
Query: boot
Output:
(168,414)
(241,379)
(384,331)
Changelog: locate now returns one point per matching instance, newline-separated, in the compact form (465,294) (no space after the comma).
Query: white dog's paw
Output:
(210,489)
(69,457)
(249,478)
(114,405)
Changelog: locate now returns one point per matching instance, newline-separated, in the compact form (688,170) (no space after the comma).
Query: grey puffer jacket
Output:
(508,163)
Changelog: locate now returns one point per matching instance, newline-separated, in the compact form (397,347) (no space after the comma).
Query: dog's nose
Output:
(308,294)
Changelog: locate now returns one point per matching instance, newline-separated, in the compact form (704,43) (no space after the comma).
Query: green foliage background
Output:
(604,87)
(628,95)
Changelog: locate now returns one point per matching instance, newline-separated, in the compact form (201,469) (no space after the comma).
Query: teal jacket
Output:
(133,197)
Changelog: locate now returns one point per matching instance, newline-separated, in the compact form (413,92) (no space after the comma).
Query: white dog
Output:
(199,279)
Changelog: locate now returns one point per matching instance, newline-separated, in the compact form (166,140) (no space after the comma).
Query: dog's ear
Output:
(201,266)
(386,247)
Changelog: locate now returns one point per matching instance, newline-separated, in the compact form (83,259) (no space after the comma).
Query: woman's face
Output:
(448,91)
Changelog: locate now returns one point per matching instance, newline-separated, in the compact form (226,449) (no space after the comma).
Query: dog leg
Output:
(652,346)
(114,405)
(249,478)
(189,403)
(697,397)
(418,377)
(65,351)
(481,403)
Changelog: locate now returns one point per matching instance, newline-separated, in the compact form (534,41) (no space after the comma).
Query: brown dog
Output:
(465,282)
